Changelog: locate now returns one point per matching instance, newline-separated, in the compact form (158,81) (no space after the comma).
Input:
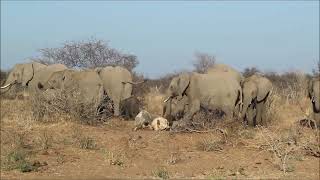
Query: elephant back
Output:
(226,71)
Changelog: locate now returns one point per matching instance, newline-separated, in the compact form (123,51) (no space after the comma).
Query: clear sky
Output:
(278,36)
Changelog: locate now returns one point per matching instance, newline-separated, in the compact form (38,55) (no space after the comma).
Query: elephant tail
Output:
(239,98)
(32,75)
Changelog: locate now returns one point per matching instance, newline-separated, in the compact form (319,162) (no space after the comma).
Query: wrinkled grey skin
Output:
(175,108)
(229,72)
(43,75)
(206,90)
(22,74)
(117,82)
(256,90)
(130,108)
(314,95)
(88,83)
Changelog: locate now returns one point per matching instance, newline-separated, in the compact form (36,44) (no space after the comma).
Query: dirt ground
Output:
(68,150)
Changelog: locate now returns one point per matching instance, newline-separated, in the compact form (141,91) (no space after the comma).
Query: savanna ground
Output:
(63,148)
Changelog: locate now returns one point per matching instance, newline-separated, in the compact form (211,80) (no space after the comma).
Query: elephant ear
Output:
(262,92)
(183,83)
(27,74)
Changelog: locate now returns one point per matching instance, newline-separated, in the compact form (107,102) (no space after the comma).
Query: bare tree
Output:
(203,61)
(249,71)
(87,54)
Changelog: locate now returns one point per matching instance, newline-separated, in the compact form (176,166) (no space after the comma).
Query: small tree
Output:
(87,54)
(249,71)
(203,61)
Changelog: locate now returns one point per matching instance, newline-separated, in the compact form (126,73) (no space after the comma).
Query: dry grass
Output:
(52,104)
(284,142)
(154,101)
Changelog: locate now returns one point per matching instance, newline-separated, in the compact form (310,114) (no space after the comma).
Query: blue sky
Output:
(279,36)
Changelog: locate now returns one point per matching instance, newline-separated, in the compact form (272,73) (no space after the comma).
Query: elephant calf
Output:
(256,90)
(130,107)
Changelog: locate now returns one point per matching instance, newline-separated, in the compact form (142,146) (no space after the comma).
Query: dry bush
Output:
(249,71)
(206,119)
(161,84)
(161,173)
(285,145)
(211,144)
(82,141)
(293,85)
(54,104)
(154,101)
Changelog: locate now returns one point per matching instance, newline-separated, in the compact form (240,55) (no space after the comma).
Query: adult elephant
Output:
(117,82)
(22,74)
(314,95)
(256,90)
(206,90)
(87,83)
(227,70)
(43,75)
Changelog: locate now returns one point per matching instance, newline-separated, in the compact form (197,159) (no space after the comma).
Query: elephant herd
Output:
(220,88)
(92,84)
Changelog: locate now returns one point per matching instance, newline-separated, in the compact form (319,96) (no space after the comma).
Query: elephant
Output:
(206,90)
(175,108)
(87,83)
(130,107)
(22,74)
(43,75)
(117,82)
(256,89)
(314,95)
(228,70)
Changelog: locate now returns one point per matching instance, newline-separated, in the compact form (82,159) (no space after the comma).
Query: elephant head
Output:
(255,89)
(176,101)
(178,86)
(22,74)
(55,81)
(174,108)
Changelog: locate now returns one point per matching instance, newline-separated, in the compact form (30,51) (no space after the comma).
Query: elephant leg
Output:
(264,114)
(251,116)
(116,104)
(260,108)
(193,108)
(228,113)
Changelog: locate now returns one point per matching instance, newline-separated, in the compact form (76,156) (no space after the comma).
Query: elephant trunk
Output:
(245,106)
(167,109)
(7,86)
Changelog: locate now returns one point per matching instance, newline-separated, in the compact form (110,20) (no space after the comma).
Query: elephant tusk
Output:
(3,87)
(167,99)
(10,84)
(133,83)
